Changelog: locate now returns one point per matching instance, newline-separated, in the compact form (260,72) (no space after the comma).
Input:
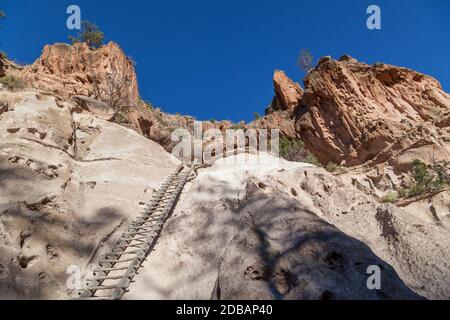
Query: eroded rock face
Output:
(352,113)
(159,126)
(154,125)
(409,243)
(96,107)
(290,232)
(281,112)
(287,93)
(72,70)
(70,182)
(280,120)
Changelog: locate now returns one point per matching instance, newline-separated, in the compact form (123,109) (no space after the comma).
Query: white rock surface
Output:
(244,232)
(68,184)
(416,248)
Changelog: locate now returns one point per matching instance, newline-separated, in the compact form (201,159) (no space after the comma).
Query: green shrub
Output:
(331,167)
(148,104)
(294,150)
(390,197)
(3,55)
(90,34)
(238,126)
(12,83)
(427,179)
(120,118)
(160,118)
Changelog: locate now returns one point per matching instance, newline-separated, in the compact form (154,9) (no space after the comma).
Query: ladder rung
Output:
(149,219)
(140,239)
(142,246)
(95,299)
(111,277)
(121,261)
(134,233)
(141,233)
(142,228)
(132,252)
(123,286)
(112,269)
(154,222)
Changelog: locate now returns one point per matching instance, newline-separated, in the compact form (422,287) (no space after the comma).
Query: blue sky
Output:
(215,58)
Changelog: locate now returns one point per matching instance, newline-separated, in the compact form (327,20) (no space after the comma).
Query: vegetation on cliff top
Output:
(90,34)
(305,60)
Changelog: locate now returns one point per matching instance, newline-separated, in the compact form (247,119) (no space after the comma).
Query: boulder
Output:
(287,93)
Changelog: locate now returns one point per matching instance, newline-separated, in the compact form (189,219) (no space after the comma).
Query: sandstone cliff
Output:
(78,70)
(287,93)
(376,120)
(106,74)
(281,112)
(352,113)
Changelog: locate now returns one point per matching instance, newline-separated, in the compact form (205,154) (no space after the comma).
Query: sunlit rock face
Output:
(75,70)
(288,93)
(352,113)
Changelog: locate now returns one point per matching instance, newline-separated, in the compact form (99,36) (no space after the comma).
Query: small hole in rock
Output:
(262,185)
(24,262)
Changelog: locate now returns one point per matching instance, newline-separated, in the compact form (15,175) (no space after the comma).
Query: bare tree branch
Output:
(112,89)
